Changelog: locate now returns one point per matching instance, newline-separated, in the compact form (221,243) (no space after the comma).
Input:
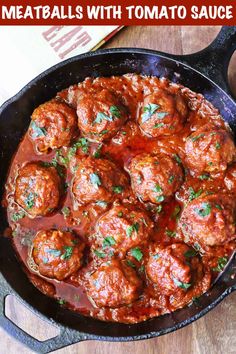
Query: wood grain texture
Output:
(215,332)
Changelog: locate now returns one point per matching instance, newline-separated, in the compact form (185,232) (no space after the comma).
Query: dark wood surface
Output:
(215,333)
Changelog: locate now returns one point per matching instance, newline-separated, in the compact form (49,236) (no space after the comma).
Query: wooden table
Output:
(212,334)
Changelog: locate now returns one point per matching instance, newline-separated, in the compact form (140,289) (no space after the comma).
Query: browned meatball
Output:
(209,220)
(114,284)
(38,189)
(58,254)
(98,180)
(53,125)
(155,177)
(162,114)
(230,178)
(122,228)
(209,150)
(170,269)
(100,115)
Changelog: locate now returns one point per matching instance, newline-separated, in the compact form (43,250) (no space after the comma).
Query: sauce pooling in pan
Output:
(121,197)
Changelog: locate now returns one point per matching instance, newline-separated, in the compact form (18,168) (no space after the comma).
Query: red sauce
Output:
(127,143)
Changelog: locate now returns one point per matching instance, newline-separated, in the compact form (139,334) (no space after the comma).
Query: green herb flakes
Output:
(95,180)
(68,252)
(148,111)
(37,131)
(171,179)
(17,216)
(132,228)
(101,203)
(108,241)
(53,252)
(177,158)
(160,198)
(65,211)
(30,200)
(117,189)
(115,111)
(222,261)
(137,253)
(204,210)
(170,233)
(182,285)
(99,254)
(193,195)
(190,253)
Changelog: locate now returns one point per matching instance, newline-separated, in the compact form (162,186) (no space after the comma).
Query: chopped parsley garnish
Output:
(108,241)
(190,253)
(195,138)
(117,189)
(101,203)
(193,195)
(159,125)
(162,115)
(53,252)
(171,179)
(156,256)
(204,210)
(29,200)
(177,158)
(137,253)
(218,206)
(115,111)
(64,160)
(159,209)
(170,233)
(105,131)
(160,198)
(81,143)
(157,189)
(102,116)
(182,285)
(68,252)
(217,146)
(97,153)
(99,254)
(61,301)
(95,180)
(148,111)
(37,131)
(132,228)
(175,214)
(120,214)
(222,261)
(204,176)
(65,211)
(130,263)
(17,216)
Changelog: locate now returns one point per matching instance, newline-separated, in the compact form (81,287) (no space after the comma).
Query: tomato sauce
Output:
(128,142)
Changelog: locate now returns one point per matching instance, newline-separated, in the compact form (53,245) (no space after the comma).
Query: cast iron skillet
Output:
(205,72)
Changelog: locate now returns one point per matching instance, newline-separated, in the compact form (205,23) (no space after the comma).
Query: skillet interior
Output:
(14,120)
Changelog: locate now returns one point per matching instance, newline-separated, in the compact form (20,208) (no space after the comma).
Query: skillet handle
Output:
(66,336)
(213,61)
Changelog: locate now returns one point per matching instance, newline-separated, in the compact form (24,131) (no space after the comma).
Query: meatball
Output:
(155,177)
(53,125)
(209,220)
(100,115)
(170,269)
(98,179)
(163,114)
(122,228)
(209,149)
(230,178)
(38,189)
(114,284)
(58,254)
